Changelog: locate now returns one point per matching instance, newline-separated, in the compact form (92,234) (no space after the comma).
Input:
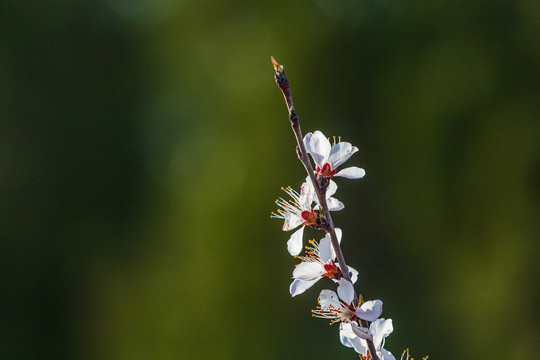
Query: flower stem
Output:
(283,84)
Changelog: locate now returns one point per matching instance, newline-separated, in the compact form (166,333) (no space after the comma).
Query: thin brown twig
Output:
(283,84)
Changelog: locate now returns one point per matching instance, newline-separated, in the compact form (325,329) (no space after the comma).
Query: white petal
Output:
(338,235)
(295,243)
(329,298)
(345,291)
(361,332)
(292,221)
(385,355)
(352,172)
(340,153)
(380,329)
(307,194)
(308,271)
(332,188)
(299,286)
(370,310)
(345,331)
(353,273)
(349,339)
(318,146)
(334,204)
(326,249)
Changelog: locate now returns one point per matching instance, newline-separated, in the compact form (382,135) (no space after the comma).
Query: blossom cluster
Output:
(360,324)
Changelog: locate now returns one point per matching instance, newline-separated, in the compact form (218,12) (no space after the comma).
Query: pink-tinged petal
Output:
(299,286)
(318,146)
(361,332)
(332,188)
(352,172)
(329,298)
(370,310)
(380,329)
(385,355)
(340,153)
(292,221)
(325,249)
(308,271)
(295,243)
(334,204)
(345,291)
(349,339)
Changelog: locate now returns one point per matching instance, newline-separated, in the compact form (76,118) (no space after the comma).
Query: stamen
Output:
(312,253)
(406,353)
(342,312)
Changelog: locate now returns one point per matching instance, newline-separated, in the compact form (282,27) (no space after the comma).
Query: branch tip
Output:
(277,67)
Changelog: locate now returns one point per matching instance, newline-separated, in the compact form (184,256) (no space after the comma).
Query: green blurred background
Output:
(142,144)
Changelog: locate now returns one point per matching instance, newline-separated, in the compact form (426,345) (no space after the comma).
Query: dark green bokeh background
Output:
(142,144)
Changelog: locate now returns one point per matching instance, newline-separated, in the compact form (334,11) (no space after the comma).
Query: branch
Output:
(283,84)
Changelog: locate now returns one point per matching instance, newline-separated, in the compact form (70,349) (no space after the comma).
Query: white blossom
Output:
(378,330)
(332,307)
(333,203)
(318,262)
(299,212)
(329,157)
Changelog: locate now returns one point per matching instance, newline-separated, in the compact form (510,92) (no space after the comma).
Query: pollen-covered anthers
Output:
(312,254)
(299,208)
(405,356)
(294,206)
(337,311)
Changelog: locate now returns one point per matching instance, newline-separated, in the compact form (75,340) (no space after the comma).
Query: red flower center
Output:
(326,171)
(332,271)
(309,217)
